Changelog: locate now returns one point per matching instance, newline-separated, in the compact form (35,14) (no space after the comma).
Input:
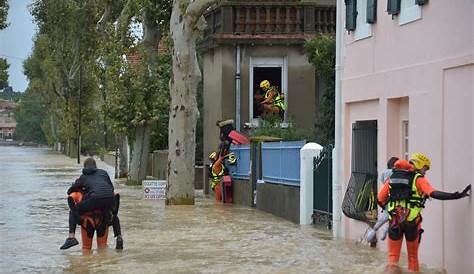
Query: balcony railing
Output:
(234,19)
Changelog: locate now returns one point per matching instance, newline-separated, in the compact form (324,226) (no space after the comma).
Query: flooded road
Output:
(205,238)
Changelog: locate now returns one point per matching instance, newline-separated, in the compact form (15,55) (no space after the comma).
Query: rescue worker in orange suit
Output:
(98,193)
(404,195)
(273,102)
(217,166)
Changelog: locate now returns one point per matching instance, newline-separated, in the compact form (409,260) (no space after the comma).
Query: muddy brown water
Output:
(205,238)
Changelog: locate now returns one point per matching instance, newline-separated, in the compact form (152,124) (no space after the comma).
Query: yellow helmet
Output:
(231,158)
(419,160)
(265,84)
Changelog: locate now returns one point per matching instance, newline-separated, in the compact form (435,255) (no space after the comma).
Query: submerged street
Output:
(205,238)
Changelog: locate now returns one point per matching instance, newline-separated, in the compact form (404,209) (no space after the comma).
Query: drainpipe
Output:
(338,163)
(237,88)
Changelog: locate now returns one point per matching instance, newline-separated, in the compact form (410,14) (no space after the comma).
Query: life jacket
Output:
(404,193)
(277,100)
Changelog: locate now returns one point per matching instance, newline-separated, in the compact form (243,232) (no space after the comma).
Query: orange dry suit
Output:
(404,194)
(217,168)
(273,101)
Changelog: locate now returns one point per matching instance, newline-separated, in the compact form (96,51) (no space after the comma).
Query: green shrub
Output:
(321,53)
(273,127)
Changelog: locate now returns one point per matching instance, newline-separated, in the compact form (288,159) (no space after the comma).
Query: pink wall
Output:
(421,72)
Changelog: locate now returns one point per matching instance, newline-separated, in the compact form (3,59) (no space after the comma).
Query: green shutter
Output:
(371,11)
(351,14)
(421,2)
(393,7)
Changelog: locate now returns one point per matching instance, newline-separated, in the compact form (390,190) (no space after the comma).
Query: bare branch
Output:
(105,17)
(124,21)
(197,8)
(72,70)
(55,90)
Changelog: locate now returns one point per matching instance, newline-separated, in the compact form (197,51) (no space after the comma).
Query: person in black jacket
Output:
(98,191)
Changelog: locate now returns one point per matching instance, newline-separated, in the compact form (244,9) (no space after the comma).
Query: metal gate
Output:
(360,200)
(322,190)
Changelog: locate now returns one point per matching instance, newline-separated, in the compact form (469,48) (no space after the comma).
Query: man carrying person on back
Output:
(98,191)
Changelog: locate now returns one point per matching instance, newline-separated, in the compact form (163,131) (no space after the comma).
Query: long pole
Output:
(338,170)
(237,88)
(79,118)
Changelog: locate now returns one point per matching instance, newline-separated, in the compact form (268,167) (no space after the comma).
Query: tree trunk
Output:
(183,109)
(122,142)
(141,149)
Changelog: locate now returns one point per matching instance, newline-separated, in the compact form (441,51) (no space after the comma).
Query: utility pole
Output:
(79,117)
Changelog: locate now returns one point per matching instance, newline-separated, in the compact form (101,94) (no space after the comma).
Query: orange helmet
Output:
(403,164)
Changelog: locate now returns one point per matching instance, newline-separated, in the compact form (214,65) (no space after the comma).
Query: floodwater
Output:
(205,238)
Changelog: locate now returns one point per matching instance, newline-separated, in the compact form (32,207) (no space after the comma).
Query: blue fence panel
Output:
(241,170)
(281,162)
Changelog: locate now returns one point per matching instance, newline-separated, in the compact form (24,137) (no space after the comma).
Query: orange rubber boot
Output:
(394,248)
(412,250)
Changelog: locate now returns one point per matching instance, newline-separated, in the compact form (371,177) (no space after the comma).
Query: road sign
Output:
(154,189)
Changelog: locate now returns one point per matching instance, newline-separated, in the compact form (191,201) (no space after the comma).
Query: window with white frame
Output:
(363,29)
(405,135)
(409,12)
(273,69)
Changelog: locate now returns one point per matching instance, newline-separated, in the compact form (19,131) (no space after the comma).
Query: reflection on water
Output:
(206,238)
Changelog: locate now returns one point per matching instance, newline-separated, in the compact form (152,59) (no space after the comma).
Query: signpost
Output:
(154,189)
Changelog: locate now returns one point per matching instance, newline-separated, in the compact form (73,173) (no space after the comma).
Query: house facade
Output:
(408,70)
(250,41)
(7,120)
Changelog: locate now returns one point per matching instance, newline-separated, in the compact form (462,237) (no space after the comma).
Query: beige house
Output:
(250,41)
(7,120)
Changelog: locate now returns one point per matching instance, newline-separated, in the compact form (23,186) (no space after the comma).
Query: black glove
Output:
(464,193)
(440,195)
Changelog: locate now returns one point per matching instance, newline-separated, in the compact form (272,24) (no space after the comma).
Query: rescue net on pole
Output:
(360,200)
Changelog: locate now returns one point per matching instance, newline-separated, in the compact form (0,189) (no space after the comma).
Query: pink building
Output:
(408,82)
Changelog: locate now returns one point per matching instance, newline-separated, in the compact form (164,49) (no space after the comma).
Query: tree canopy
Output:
(3,14)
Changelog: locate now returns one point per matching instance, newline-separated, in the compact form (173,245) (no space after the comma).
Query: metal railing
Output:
(241,169)
(281,162)
(270,18)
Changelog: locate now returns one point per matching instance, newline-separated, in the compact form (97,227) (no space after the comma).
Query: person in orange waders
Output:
(404,194)
(97,220)
(96,199)
(218,160)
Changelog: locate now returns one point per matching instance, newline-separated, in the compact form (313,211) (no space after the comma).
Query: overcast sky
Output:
(16,41)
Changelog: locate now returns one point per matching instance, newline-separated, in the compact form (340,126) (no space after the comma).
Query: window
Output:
(274,69)
(405,153)
(409,12)
(363,29)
